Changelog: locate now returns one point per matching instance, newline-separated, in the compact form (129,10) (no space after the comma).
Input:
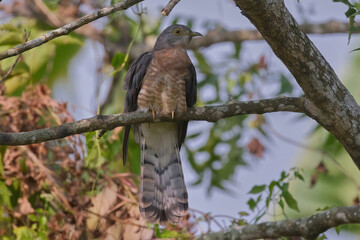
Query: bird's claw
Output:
(153,113)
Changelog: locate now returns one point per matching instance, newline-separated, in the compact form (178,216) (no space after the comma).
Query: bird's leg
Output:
(172,114)
(153,113)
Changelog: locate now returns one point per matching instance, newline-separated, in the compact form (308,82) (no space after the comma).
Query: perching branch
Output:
(68,28)
(309,227)
(208,113)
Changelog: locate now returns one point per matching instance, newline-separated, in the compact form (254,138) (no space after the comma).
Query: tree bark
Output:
(210,113)
(309,227)
(326,99)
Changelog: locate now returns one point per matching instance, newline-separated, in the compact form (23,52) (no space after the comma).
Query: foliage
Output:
(275,193)
(351,13)
(52,190)
(78,186)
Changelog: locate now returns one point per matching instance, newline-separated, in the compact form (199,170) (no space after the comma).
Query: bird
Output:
(162,80)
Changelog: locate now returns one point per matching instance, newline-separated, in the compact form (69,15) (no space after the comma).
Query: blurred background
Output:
(238,170)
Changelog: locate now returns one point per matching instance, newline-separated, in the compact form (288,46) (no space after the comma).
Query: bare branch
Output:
(208,113)
(219,35)
(309,227)
(67,28)
(169,7)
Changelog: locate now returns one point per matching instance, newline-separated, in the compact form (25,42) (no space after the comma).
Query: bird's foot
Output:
(172,114)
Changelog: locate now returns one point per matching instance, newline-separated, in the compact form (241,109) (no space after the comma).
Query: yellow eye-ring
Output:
(177,31)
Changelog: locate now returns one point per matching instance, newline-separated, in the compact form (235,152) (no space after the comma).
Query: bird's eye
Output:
(177,31)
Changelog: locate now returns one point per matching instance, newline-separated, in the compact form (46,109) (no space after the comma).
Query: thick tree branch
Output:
(209,113)
(309,227)
(67,28)
(219,35)
(327,100)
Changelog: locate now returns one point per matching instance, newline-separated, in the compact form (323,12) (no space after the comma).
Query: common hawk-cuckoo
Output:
(162,80)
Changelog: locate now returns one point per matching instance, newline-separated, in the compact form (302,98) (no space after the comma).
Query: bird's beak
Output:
(195,34)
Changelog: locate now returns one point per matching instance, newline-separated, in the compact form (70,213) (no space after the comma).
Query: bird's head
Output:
(175,35)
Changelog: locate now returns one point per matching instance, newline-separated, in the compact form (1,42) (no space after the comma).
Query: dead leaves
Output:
(24,208)
(49,180)
(255,147)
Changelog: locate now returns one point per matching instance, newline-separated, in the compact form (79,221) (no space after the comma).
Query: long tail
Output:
(163,194)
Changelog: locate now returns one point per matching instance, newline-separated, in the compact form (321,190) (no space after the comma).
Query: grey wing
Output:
(191,97)
(133,83)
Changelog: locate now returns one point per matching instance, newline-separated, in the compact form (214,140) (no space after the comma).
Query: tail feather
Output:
(163,194)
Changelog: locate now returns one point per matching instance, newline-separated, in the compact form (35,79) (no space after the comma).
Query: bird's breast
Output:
(163,87)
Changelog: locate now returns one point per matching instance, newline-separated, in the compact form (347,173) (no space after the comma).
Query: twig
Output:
(315,149)
(209,217)
(208,113)
(113,219)
(52,18)
(49,174)
(220,35)
(68,28)
(26,38)
(169,7)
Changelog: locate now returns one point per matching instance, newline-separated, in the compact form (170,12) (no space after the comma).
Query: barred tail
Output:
(163,194)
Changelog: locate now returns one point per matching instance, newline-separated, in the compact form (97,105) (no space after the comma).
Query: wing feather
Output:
(191,97)
(132,83)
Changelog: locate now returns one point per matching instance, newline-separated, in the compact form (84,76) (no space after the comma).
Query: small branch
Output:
(208,113)
(50,16)
(67,28)
(309,227)
(220,35)
(169,7)
(26,38)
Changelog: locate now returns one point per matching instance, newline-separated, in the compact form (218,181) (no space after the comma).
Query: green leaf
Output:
(5,195)
(11,38)
(285,85)
(237,49)
(337,229)
(346,2)
(67,39)
(271,187)
(268,199)
(283,176)
(322,209)
(260,216)
(168,234)
(2,154)
(24,233)
(322,237)
(257,189)
(356,49)
(252,204)
(290,201)
(118,60)
(281,204)
(350,12)
(243,213)
(299,176)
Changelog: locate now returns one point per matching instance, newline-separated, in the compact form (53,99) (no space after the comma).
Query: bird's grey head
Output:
(175,35)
